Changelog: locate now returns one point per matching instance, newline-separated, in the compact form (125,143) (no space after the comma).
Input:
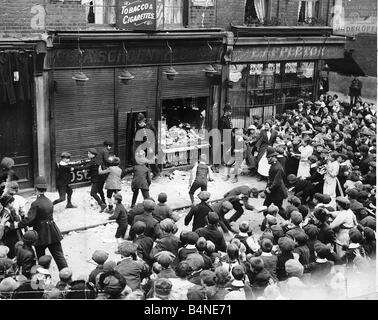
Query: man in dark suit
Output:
(141,179)
(275,190)
(211,232)
(40,217)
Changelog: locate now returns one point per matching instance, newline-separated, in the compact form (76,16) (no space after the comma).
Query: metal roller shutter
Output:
(190,82)
(138,95)
(84,115)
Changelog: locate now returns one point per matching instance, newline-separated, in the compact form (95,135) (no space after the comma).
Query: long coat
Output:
(198,213)
(40,217)
(276,183)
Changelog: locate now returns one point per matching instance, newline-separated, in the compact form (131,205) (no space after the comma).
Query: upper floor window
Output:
(308,11)
(100,11)
(256,11)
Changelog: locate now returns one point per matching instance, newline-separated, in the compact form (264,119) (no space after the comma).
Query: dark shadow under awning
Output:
(346,66)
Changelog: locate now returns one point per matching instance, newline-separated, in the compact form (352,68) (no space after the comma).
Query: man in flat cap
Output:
(199,212)
(152,225)
(133,269)
(238,197)
(26,257)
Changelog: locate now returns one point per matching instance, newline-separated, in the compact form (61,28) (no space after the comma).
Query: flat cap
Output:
(100,256)
(286,244)
(127,248)
(65,154)
(45,261)
(65,274)
(212,218)
(294,268)
(148,204)
(93,151)
(204,195)
(296,217)
(164,257)
(342,200)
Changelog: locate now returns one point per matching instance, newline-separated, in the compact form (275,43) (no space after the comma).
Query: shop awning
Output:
(346,66)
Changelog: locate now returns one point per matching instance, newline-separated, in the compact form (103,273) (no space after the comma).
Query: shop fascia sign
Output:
(280,53)
(136,15)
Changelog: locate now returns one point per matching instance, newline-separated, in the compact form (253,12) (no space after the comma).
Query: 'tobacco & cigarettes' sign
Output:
(136,15)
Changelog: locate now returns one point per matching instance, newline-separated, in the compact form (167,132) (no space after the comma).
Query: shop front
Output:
(105,107)
(267,75)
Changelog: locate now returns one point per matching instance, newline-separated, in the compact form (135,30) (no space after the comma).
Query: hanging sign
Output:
(136,15)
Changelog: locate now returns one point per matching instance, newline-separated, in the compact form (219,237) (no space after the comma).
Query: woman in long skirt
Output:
(330,177)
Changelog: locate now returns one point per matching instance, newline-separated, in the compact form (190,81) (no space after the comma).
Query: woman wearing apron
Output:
(267,138)
(330,177)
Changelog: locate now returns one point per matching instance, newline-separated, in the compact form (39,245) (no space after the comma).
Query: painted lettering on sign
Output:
(136,15)
(248,54)
(79,176)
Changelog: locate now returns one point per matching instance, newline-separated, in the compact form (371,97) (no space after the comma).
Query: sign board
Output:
(78,176)
(136,15)
(353,17)
(286,53)
(203,3)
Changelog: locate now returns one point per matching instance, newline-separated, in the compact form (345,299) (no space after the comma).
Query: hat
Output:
(271,220)
(369,221)
(355,235)
(271,152)
(369,233)
(294,268)
(162,197)
(321,249)
(326,199)
(201,244)
(212,218)
(100,256)
(342,200)
(286,244)
(7,163)
(227,107)
(65,274)
(192,237)
(277,231)
(45,261)
(163,287)
(127,248)
(164,257)
(272,209)
(195,261)
(308,102)
(311,230)
(93,151)
(301,238)
(167,225)
(109,266)
(8,285)
(296,217)
(196,292)
(204,195)
(208,277)
(4,250)
(244,226)
(266,245)
(352,193)
(140,117)
(252,127)
(295,201)
(118,196)
(6,199)
(148,205)
(108,143)
(291,178)
(227,205)
(40,182)
(65,154)
(300,100)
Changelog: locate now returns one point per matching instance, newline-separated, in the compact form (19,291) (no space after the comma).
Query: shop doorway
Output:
(131,120)
(16,139)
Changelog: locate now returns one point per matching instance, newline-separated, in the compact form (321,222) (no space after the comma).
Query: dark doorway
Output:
(130,134)
(16,139)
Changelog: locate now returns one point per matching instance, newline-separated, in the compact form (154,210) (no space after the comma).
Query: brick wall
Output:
(199,14)
(230,11)
(27,17)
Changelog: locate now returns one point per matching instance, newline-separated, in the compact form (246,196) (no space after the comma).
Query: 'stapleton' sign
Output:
(136,15)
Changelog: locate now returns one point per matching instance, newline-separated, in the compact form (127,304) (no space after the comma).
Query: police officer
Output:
(40,217)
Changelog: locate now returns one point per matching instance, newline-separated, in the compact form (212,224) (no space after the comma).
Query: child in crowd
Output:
(120,215)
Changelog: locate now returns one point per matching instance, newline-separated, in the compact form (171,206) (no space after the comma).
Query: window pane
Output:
(173,12)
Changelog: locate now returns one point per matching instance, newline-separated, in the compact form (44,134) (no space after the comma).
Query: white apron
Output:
(263,166)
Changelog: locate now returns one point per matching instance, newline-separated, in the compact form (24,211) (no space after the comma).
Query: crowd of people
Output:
(320,157)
